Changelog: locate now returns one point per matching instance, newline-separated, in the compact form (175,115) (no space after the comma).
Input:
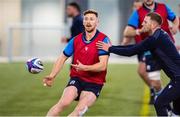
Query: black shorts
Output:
(151,63)
(85,86)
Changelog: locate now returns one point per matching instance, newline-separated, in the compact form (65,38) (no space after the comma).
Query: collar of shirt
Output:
(149,10)
(89,41)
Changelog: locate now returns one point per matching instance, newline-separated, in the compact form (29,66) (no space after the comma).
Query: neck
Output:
(151,7)
(75,14)
(90,35)
(153,30)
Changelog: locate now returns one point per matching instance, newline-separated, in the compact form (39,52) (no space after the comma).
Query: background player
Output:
(148,68)
(164,51)
(88,70)
(73,11)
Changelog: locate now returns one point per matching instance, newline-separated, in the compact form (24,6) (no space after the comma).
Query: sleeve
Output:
(171,14)
(130,50)
(134,20)
(69,49)
(102,52)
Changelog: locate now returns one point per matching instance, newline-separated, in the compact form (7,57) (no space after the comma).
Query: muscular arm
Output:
(100,66)
(48,80)
(126,41)
(129,32)
(68,51)
(176,22)
(174,19)
(133,24)
(58,65)
(175,25)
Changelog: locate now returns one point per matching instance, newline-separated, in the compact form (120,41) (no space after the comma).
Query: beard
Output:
(90,30)
(149,4)
(69,16)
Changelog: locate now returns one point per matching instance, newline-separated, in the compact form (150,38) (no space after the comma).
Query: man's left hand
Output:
(103,46)
(79,66)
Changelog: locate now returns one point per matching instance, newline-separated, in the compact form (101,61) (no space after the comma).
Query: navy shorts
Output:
(170,93)
(85,86)
(176,106)
(151,63)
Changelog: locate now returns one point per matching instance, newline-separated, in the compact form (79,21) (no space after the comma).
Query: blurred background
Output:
(31,28)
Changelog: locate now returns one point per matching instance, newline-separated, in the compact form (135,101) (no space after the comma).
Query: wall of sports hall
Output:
(31,28)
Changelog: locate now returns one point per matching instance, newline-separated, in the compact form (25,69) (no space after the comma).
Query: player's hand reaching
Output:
(79,66)
(48,81)
(103,46)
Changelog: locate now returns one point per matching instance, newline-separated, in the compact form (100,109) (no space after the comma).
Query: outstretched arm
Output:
(48,80)
(130,50)
(58,65)
(68,51)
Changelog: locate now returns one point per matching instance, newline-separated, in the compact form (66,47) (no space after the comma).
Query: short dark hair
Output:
(90,11)
(75,5)
(155,17)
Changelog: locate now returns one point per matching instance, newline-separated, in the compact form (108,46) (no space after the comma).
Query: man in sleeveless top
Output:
(88,69)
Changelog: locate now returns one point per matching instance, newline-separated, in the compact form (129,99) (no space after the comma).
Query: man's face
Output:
(147,24)
(70,11)
(90,22)
(148,2)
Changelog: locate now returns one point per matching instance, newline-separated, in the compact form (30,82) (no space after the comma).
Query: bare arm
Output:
(58,65)
(129,32)
(175,26)
(48,80)
(100,66)
(126,41)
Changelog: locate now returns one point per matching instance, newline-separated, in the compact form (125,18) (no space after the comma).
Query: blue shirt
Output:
(69,49)
(162,49)
(134,18)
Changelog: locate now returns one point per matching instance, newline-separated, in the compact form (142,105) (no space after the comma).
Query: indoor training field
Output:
(22,93)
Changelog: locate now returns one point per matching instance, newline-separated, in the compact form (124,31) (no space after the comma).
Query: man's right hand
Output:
(48,81)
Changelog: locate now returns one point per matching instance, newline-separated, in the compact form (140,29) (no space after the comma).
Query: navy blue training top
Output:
(77,26)
(161,47)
